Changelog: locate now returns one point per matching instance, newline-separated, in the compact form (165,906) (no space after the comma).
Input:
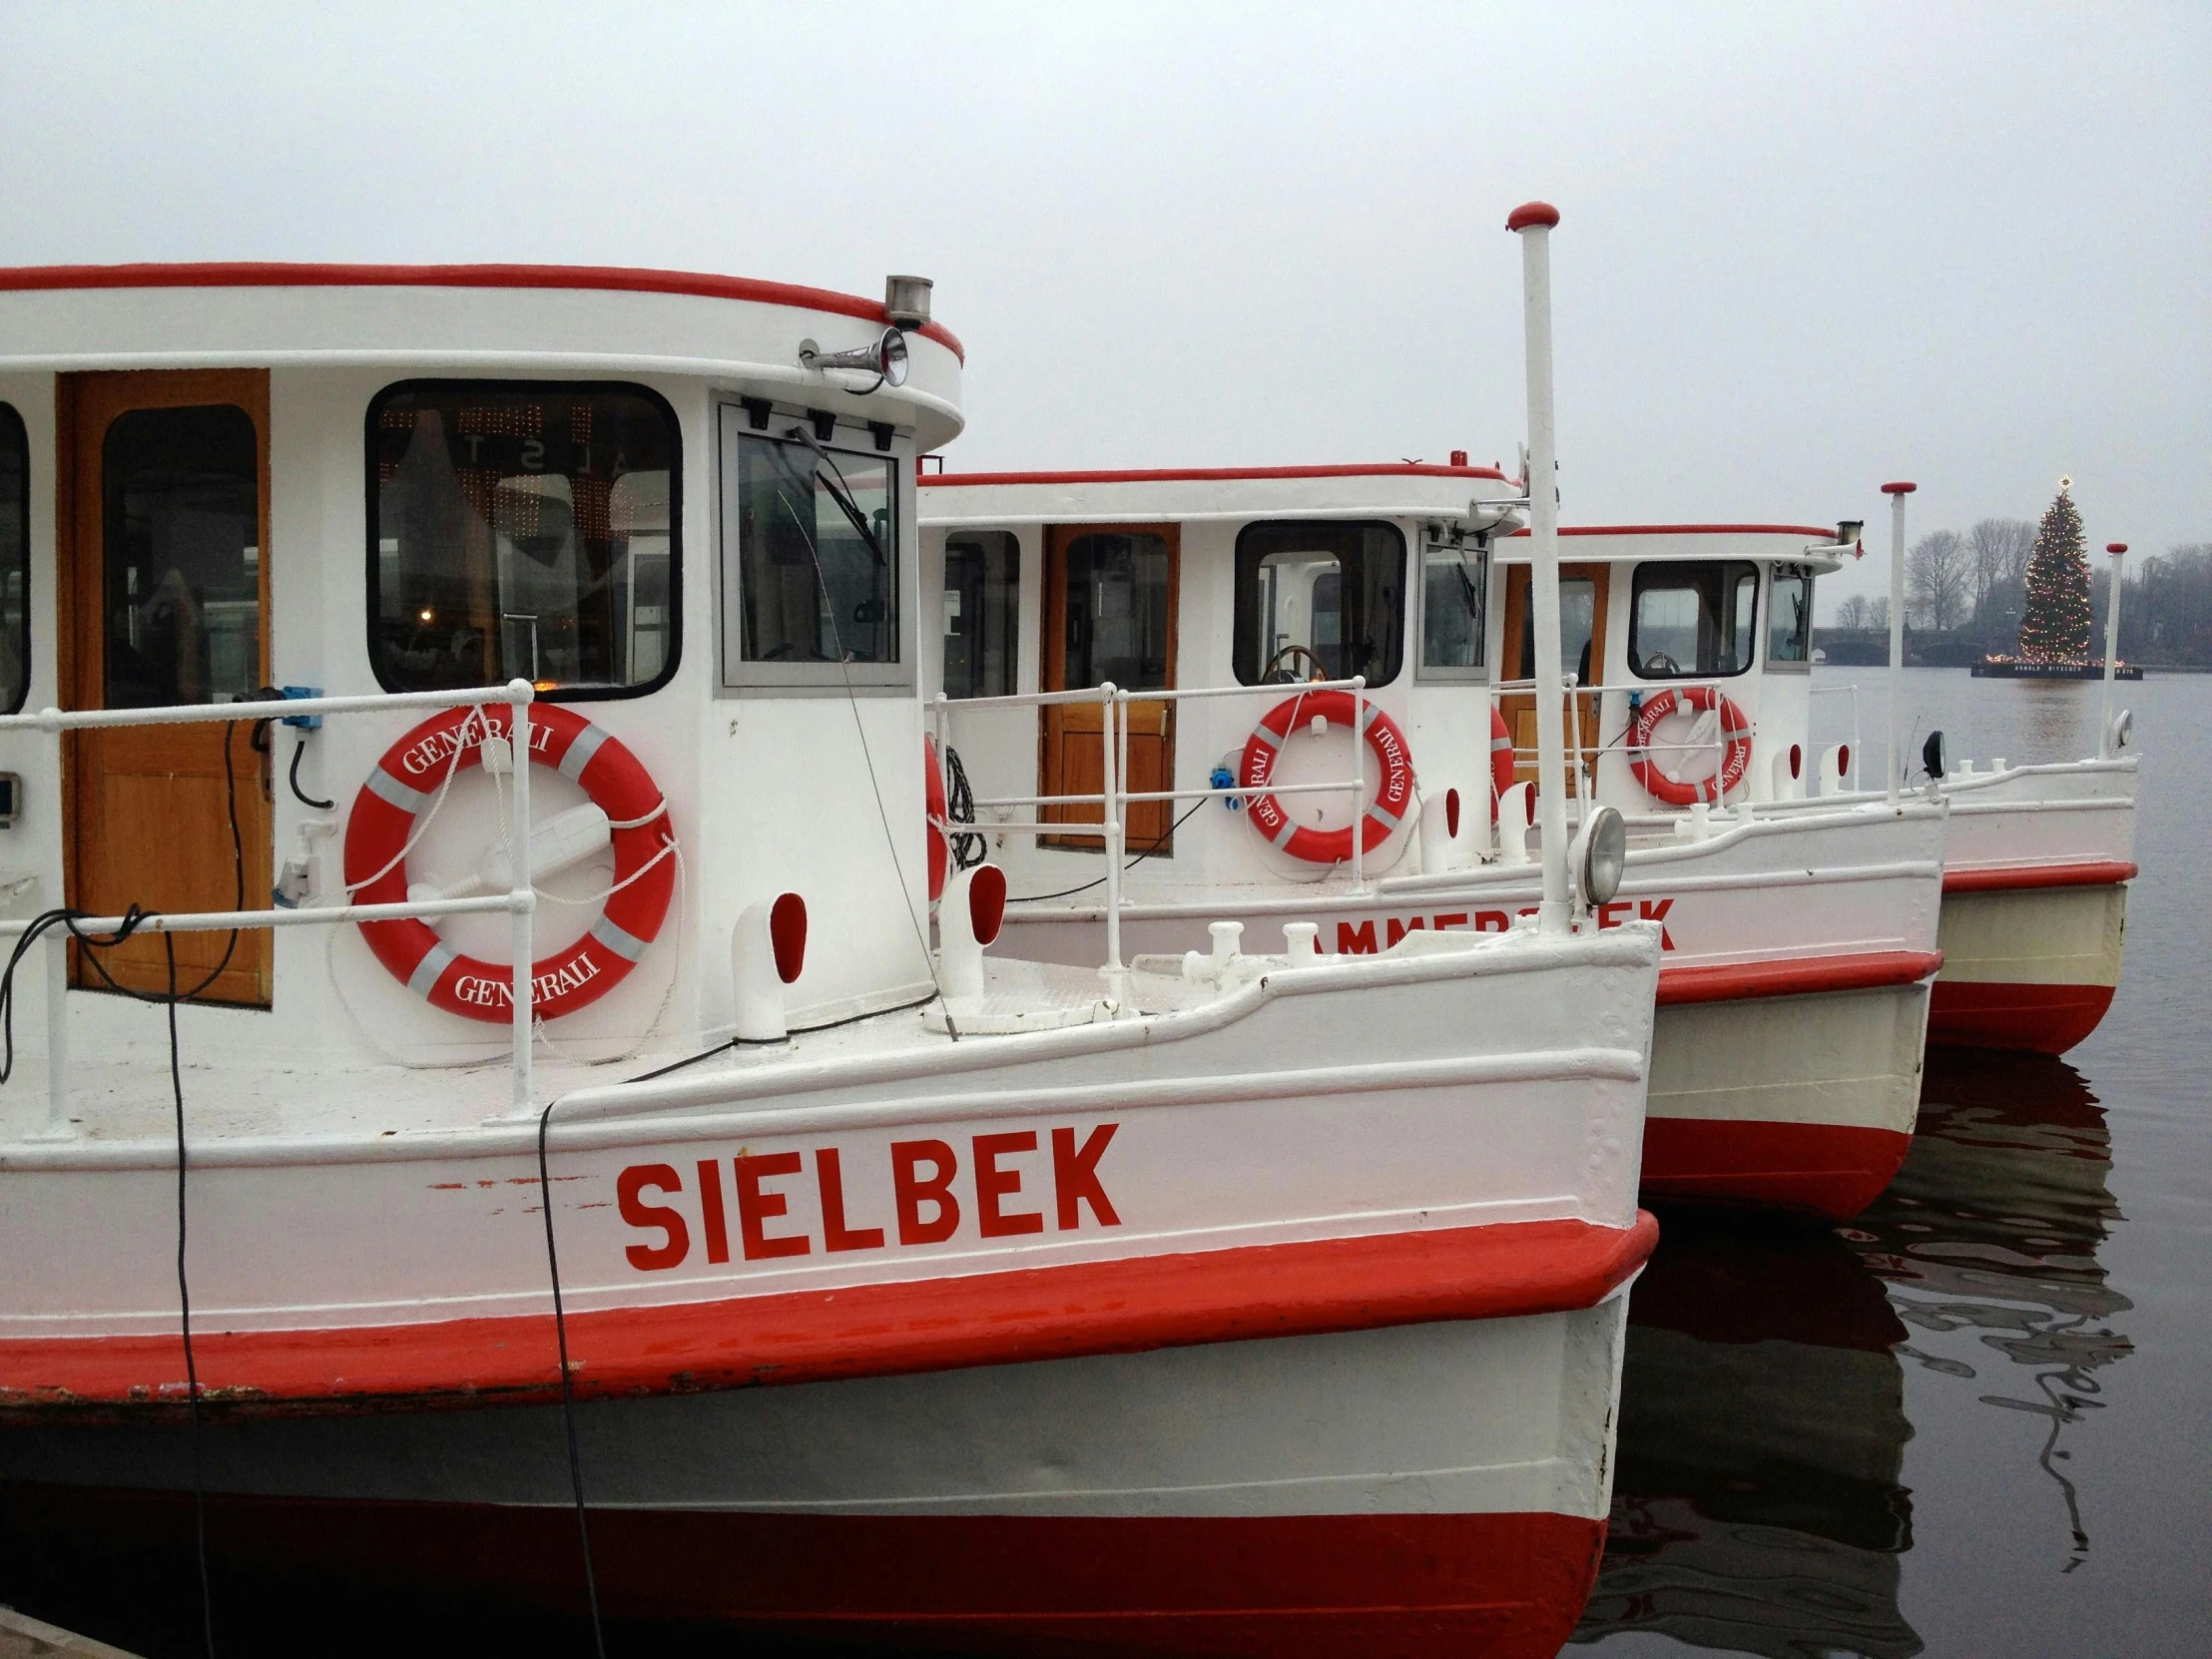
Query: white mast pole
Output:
(2111,646)
(1897,495)
(1533,221)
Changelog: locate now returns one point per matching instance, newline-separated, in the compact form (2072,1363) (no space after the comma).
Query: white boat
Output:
(650,1169)
(1250,620)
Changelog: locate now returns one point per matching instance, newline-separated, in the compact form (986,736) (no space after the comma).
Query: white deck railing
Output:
(519,901)
(1115,797)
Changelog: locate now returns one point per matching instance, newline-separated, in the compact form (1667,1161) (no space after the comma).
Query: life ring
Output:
(402,783)
(1501,760)
(1384,813)
(1735,737)
(935,814)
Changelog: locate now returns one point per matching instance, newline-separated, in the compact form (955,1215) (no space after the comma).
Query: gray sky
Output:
(1805,249)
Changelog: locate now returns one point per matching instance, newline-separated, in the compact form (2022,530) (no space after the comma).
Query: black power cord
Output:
(298,749)
(1158,841)
(183,1307)
(959,807)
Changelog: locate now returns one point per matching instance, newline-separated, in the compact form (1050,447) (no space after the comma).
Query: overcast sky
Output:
(1805,248)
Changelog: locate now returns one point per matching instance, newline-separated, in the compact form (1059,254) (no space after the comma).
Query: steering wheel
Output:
(1660,663)
(1274,672)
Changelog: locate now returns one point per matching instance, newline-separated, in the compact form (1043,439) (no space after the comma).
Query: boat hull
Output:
(1799,1103)
(1436,1488)
(2029,969)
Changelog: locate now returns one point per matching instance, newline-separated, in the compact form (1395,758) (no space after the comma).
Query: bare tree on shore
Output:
(1850,615)
(1936,577)
(1997,551)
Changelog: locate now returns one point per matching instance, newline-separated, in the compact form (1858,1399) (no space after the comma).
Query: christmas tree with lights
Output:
(2054,627)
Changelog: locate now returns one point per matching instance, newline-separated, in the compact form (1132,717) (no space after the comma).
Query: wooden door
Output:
(164,496)
(1582,595)
(1110,595)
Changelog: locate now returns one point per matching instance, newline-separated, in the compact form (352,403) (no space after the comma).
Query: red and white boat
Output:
(1242,624)
(2037,867)
(651,1164)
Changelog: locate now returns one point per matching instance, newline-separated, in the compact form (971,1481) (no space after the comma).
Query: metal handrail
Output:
(519,901)
(1115,797)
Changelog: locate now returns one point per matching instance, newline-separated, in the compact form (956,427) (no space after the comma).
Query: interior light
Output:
(424,615)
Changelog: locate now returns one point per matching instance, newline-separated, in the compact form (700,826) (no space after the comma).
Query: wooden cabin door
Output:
(1110,594)
(164,495)
(1582,595)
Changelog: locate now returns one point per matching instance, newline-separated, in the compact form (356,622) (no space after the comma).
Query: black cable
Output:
(183,1309)
(568,1395)
(293,777)
(1158,841)
(809,1030)
(959,807)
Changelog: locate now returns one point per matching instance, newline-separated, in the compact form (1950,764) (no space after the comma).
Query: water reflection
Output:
(1758,1505)
(1989,1241)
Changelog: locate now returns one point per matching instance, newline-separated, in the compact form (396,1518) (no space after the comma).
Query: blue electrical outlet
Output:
(306,723)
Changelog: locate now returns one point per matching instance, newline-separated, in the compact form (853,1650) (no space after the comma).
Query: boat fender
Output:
(1393,795)
(402,785)
(1735,755)
(768,950)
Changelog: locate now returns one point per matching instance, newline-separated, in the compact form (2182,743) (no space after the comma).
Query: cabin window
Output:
(1455,583)
(523,529)
(15,561)
(181,556)
(1118,614)
(983,609)
(1790,617)
(809,589)
(1693,620)
(1577,629)
(1320,602)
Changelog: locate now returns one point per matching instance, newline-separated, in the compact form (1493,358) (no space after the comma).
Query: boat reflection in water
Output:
(1759,1503)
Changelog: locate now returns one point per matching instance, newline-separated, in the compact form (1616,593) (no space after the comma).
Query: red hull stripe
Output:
(256,273)
(1208,474)
(2035,1020)
(1118,1307)
(1828,1170)
(1405,1584)
(2025,878)
(1797,976)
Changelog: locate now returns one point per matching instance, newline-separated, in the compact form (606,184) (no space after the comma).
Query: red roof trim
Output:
(1798,976)
(1209,474)
(2027,878)
(1505,1270)
(1826,532)
(256,273)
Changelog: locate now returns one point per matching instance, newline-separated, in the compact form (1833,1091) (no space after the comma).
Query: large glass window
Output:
(1320,602)
(1454,581)
(180,556)
(1790,617)
(15,561)
(982,610)
(523,528)
(1119,585)
(1693,620)
(1577,628)
(811,555)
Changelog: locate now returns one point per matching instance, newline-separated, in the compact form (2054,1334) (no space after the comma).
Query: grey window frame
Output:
(1478,673)
(1802,665)
(733,416)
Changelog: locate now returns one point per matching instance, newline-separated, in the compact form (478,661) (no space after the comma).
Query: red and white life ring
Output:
(933,813)
(1735,736)
(1384,813)
(1501,760)
(402,783)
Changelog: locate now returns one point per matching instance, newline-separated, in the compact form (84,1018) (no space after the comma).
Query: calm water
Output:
(1978,1420)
